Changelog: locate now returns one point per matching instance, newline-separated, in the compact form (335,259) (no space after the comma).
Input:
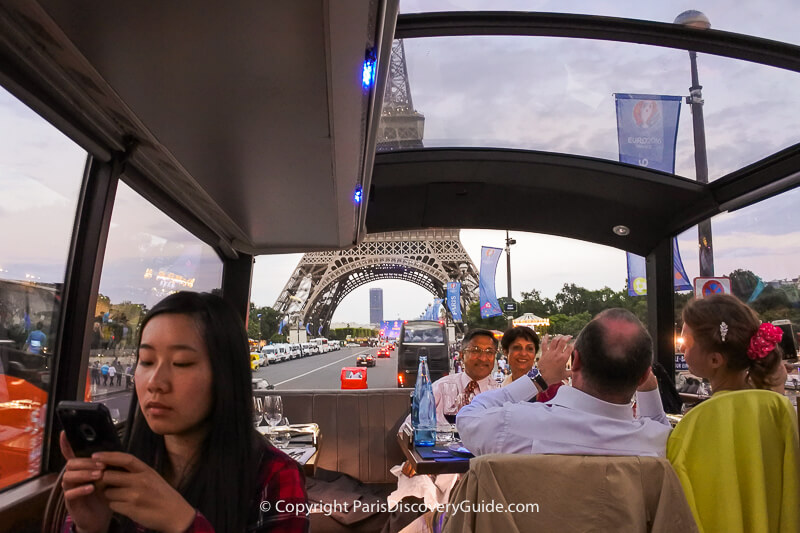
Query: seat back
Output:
(358,428)
(575,493)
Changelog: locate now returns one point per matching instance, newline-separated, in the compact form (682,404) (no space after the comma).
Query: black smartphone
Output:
(89,428)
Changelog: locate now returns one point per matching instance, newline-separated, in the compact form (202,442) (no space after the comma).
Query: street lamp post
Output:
(696,19)
(509,242)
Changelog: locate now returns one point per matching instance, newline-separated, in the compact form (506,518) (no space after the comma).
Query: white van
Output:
(271,353)
(284,352)
(322,343)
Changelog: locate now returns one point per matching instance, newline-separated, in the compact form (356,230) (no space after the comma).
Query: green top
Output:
(737,457)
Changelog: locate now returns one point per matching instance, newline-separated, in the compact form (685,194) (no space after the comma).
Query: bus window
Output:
(40,176)
(764,273)
(148,256)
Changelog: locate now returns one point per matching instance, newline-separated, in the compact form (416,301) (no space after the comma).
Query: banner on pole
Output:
(647,129)
(454,299)
(637,272)
(489,305)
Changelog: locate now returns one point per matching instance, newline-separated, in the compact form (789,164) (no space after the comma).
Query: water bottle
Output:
(423,408)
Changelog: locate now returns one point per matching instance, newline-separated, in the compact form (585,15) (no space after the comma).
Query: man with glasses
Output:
(478,352)
(610,362)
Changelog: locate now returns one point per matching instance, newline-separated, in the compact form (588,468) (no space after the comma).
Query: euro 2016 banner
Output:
(489,305)
(647,130)
(454,299)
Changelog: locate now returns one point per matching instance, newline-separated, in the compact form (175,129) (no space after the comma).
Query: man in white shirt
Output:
(610,362)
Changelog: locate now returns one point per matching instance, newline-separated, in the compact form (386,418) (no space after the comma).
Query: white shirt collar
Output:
(572,398)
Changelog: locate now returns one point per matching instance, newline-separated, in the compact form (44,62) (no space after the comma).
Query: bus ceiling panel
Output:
(763,179)
(721,43)
(598,177)
(564,209)
(246,113)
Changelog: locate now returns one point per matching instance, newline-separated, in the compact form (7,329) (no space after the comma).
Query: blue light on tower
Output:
(357,195)
(368,74)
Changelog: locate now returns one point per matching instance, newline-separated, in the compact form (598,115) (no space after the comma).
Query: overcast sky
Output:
(517,92)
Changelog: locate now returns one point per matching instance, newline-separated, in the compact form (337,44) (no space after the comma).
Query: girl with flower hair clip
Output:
(740,446)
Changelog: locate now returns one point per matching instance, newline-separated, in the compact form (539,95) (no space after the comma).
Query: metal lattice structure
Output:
(428,258)
(401,126)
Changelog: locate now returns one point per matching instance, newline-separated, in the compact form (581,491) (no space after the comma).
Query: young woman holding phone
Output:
(180,472)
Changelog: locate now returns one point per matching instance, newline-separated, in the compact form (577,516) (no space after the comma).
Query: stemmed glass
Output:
(273,412)
(452,402)
(258,409)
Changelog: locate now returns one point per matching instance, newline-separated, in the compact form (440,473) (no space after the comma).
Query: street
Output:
(316,372)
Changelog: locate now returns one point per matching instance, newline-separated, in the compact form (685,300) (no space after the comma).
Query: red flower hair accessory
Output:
(764,341)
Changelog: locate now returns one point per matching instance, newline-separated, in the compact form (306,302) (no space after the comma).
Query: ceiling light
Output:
(622,231)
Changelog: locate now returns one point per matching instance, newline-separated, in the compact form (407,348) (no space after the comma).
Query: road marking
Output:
(320,368)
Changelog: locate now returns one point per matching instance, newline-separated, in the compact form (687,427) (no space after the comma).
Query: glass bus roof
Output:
(556,94)
(776,20)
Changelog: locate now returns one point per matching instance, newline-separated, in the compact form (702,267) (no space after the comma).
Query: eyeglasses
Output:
(487,352)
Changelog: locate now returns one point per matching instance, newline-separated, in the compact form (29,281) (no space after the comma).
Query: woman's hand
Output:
(83,491)
(140,493)
(553,361)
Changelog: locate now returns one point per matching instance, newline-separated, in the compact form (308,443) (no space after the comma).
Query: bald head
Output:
(615,351)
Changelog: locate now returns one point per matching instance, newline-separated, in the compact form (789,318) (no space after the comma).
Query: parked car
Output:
(271,354)
(365,359)
(256,360)
(295,352)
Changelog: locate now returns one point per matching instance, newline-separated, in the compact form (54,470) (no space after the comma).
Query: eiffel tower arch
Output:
(428,258)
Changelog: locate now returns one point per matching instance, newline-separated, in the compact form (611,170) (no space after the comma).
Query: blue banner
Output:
(489,305)
(647,130)
(281,325)
(454,299)
(637,272)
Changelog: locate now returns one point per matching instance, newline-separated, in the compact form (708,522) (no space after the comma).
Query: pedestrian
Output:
(128,375)
(112,371)
(95,373)
(104,373)
(118,367)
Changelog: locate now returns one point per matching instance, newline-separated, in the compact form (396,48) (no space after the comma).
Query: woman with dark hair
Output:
(520,345)
(194,461)
(740,446)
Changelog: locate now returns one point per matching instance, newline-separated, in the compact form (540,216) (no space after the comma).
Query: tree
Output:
(532,302)
(263,322)
(743,283)
(561,324)
(474,319)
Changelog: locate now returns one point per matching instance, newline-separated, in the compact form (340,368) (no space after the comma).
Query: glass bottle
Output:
(423,408)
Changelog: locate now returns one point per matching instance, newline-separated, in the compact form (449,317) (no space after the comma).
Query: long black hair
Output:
(223,480)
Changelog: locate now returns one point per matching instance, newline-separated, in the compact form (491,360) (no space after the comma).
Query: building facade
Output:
(375,306)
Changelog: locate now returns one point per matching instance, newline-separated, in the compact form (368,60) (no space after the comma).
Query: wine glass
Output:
(452,402)
(273,409)
(258,409)
(273,412)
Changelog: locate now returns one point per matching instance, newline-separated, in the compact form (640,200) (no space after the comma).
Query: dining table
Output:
(437,459)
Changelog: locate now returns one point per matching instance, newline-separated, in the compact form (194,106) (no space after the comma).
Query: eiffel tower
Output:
(429,258)
(401,126)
